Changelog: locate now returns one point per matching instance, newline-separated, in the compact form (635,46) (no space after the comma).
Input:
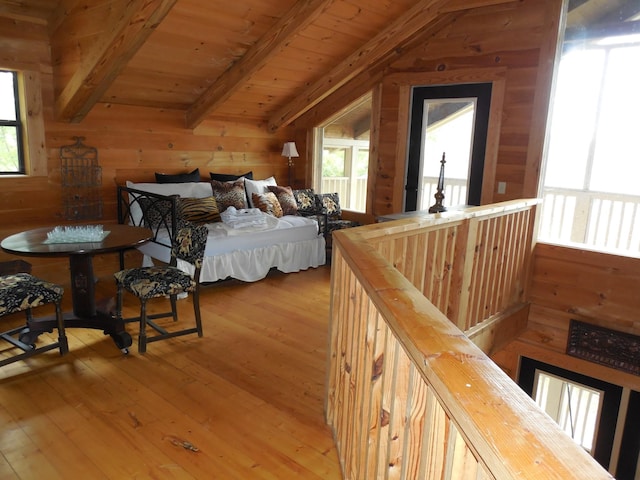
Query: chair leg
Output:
(174,306)
(196,311)
(63,344)
(142,337)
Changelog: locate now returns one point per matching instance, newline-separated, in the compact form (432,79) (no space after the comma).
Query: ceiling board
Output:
(192,47)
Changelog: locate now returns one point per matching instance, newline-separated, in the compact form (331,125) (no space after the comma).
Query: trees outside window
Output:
(342,162)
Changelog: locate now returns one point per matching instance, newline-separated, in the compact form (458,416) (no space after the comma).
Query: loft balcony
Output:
(410,393)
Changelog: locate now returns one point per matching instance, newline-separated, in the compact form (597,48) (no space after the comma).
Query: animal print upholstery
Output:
(158,281)
(21,291)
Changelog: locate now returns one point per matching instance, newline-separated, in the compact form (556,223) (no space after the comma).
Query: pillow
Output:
(285,199)
(268,203)
(199,210)
(331,203)
(193,176)
(191,189)
(227,177)
(157,212)
(229,194)
(306,201)
(257,186)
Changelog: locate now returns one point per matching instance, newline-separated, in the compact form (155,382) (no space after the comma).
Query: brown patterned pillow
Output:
(229,194)
(285,198)
(268,203)
(199,210)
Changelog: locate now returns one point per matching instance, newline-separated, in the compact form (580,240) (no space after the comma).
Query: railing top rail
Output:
(480,398)
(423,220)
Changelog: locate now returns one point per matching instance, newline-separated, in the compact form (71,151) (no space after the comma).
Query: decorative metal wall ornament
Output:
(81,181)
(607,347)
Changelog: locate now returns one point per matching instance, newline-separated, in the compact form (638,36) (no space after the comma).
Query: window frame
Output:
(318,134)
(17,124)
(351,147)
(586,217)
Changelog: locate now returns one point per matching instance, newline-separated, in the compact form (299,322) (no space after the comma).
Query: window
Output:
(343,151)
(590,191)
(573,406)
(586,408)
(11,156)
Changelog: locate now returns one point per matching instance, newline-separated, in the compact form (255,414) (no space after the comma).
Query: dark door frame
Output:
(603,444)
(480,91)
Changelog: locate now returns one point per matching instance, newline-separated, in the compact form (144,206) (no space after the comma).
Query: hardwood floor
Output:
(243,402)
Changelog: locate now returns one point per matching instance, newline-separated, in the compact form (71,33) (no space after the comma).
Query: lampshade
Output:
(290,150)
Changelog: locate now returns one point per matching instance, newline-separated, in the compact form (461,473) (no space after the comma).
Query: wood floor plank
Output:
(245,401)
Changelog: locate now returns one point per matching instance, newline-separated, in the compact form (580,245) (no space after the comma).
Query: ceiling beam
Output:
(397,32)
(362,126)
(401,30)
(109,55)
(272,43)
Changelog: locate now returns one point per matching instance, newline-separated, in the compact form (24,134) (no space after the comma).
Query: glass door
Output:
(449,120)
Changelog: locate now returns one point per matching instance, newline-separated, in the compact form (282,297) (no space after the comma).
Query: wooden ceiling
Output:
(248,59)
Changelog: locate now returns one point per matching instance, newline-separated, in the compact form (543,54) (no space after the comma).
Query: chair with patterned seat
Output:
(325,207)
(309,205)
(24,292)
(331,204)
(166,281)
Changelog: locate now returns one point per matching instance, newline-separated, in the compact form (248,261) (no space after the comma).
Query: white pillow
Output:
(185,190)
(257,186)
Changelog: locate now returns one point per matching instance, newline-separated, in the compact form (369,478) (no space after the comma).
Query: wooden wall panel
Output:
(519,38)
(594,287)
(569,283)
(132,143)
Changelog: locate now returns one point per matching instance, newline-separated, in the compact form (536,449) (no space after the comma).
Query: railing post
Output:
(465,251)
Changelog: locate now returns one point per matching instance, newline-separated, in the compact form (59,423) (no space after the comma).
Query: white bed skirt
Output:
(253,265)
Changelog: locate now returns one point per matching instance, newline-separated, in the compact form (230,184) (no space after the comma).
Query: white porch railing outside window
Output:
(598,220)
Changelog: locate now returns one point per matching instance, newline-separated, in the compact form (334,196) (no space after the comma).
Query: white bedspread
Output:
(291,244)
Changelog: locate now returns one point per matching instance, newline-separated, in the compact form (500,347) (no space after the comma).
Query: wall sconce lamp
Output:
(290,151)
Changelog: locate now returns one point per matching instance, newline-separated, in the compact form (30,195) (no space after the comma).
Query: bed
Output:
(289,243)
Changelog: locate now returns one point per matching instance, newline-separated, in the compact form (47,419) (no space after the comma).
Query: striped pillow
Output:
(268,203)
(199,210)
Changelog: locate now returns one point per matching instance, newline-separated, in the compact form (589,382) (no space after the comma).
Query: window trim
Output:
(34,150)
(17,124)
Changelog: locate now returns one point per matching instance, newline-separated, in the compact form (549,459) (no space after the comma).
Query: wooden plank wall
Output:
(132,143)
(512,45)
(569,283)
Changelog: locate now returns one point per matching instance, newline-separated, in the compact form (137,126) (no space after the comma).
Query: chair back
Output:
(189,244)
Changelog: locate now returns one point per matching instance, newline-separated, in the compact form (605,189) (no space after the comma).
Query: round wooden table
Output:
(85,314)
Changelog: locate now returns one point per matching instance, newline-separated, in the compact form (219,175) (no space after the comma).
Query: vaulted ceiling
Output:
(251,59)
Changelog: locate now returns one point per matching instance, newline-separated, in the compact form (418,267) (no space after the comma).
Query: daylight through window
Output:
(11,159)
(590,190)
(342,163)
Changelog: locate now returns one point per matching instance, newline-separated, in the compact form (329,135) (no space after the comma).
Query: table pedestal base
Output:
(106,322)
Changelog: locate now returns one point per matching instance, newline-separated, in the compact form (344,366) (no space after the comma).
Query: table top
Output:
(31,242)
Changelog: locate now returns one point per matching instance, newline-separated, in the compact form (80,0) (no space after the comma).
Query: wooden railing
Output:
(409,395)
